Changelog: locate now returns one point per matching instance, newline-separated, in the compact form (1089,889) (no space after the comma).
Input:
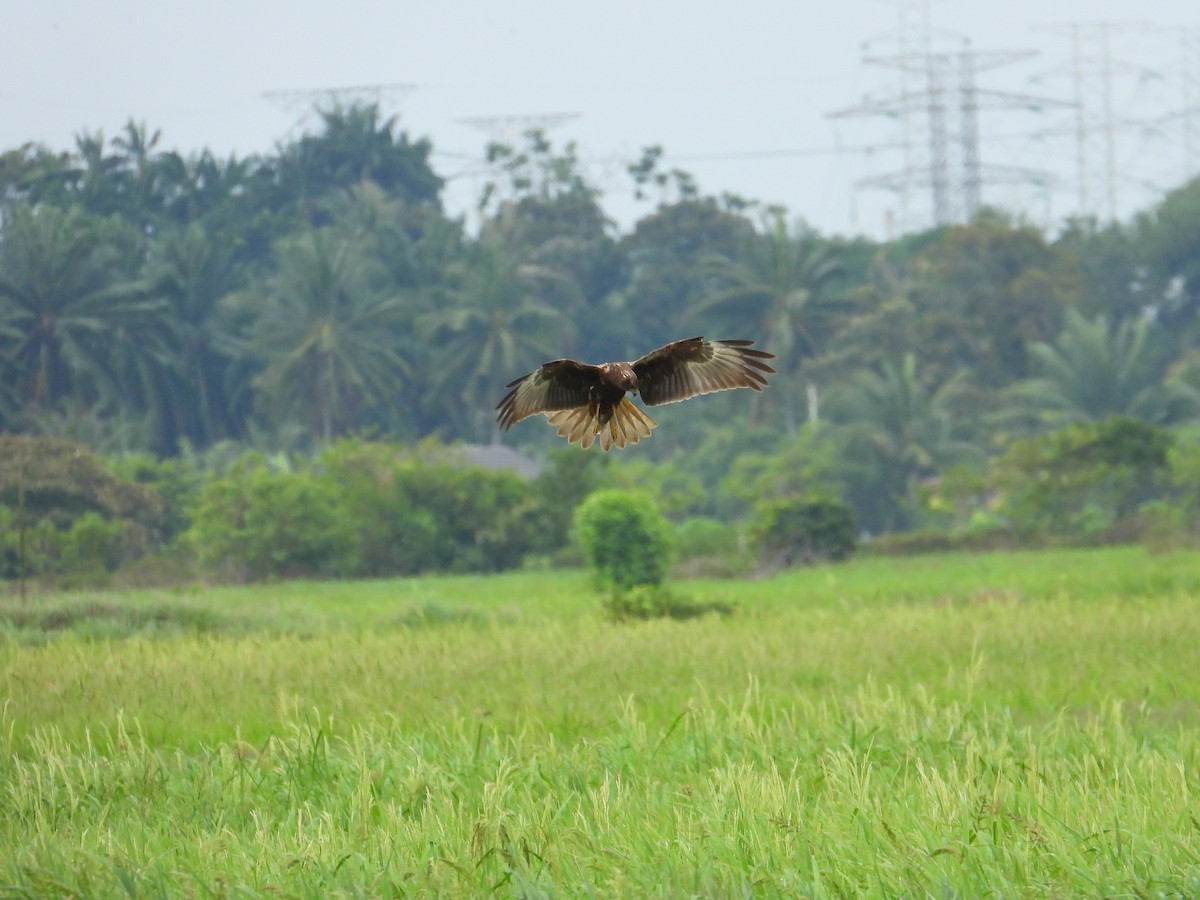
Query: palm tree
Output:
(772,291)
(329,336)
(96,183)
(189,270)
(78,325)
(501,318)
(1097,369)
(901,432)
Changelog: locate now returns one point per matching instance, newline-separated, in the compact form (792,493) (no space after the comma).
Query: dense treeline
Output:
(167,304)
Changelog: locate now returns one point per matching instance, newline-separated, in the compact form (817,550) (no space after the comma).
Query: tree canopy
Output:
(166,302)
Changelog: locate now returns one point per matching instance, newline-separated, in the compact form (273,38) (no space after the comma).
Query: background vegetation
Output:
(177,312)
(284,367)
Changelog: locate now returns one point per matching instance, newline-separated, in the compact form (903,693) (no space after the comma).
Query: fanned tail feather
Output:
(581,425)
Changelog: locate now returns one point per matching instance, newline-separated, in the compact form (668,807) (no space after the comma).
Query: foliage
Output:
(256,522)
(1167,240)
(985,292)
(484,521)
(802,531)
(811,462)
(1097,369)
(63,509)
(495,314)
(326,332)
(666,255)
(701,536)
(898,431)
(1083,481)
(775,285)
(87,549)
(364,509)
(173,482)
(161,303)
(625,537)
(77,326)
(60,480)
(566,478)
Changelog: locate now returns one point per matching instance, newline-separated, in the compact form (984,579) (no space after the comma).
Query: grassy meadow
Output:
(1009,724)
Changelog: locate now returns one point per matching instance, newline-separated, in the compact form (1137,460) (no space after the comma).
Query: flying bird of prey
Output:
(585,402)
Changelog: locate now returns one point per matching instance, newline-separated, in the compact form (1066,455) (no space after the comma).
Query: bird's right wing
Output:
(561,384)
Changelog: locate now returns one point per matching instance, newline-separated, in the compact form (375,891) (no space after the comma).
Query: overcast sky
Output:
(737,93)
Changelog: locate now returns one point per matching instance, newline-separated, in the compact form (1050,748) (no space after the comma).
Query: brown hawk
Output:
(585,402)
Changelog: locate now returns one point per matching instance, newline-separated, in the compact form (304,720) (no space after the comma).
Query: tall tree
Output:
(984,292)
(330,335)
(355,145)
(665,277)
(1168,240)
(541,205)
(899,431)
(1107,256)
(79,325)
(190,271)
(499,319)
(773,292)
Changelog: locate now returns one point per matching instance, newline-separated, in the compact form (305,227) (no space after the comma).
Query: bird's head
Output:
(620,375)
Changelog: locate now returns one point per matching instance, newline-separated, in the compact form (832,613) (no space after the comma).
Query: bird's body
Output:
(585,402)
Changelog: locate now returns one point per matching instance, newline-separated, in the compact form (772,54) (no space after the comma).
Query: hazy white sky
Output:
(737,93)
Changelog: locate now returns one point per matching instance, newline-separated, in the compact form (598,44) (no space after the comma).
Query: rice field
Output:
(957,725)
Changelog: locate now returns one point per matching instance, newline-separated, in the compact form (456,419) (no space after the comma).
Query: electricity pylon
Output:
(950,102)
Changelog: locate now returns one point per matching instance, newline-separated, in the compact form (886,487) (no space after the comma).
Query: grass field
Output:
(1023,724)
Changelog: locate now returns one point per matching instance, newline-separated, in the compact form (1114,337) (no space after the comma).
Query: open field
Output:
(956,725)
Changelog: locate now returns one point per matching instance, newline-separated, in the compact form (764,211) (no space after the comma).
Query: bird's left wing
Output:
(561,384)
(698,366)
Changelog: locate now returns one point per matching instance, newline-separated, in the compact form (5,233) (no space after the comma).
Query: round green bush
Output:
(625,537)
(799,531)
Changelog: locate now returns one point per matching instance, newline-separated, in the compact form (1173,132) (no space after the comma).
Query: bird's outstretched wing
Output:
(561,384)
(699,366)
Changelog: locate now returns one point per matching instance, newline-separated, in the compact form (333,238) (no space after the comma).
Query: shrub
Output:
(481,518)
(384,530)
(173,481)
(364,510)
(701,536)
(94,544)
(64,510)
(625,537)
(708,548)
(258,523)
(1083,481)
(800,531)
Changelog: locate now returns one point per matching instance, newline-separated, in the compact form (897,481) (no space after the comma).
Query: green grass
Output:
(959,725)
